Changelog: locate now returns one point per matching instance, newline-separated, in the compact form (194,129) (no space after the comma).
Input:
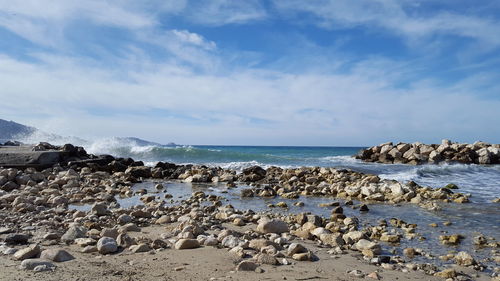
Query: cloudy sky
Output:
(277,72)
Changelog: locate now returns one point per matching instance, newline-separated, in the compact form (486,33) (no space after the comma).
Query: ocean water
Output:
(483,182)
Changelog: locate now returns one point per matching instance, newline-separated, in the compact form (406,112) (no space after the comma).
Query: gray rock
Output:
(107,245)
(186,244)
(30,264)
(272,226)
(99,209)
(296,248)
(16,239)
(141,248)
(73,232)
(57,255)
(246,266)
(27,253)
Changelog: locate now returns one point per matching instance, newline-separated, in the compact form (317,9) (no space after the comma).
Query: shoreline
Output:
(203,221)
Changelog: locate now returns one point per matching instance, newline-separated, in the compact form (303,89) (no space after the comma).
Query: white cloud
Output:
(194,39)
(220,12)
(245,106)
(396,16)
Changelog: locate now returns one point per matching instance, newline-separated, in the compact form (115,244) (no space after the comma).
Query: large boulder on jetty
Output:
(419,153)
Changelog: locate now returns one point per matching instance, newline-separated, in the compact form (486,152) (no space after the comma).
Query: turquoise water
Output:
(483,182)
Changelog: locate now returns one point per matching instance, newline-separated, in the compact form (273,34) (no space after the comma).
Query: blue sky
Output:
(254,72)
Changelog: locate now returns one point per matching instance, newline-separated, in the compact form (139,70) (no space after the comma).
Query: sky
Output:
(276,72)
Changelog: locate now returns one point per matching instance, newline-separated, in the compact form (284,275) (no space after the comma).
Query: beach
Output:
(205,222)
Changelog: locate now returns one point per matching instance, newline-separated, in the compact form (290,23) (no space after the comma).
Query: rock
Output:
(99,209)
(272,226)
(334,239)
(363,208)
(107,245)
(30,264)
(303,256)
(89,249)
(409,252)
(164,220)
(139,171)
(57,255)
(27,253)
(356,273)
(447,273)
(141,248)
(186,244)
(464,258)
(246,266)
(73,232)
(16,239)
(364,244)
(392,238)
(5,230)
(124,219)
(125,241)
(296,248)
(109,232)
(266,259)
(374,275)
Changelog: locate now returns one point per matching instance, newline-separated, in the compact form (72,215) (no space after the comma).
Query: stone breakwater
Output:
(419,153)
(37,225)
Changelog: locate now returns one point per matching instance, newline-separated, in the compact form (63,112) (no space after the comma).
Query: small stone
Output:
(238,222)
(73,232)
(141,248)
(302,257)
(27,253)
(164,220)
(16,239)
(266,259)
(99,209)
(356,273)
(373,275)
(186,244)
(246,266)
(409,252)
(89,249)
(57,255)
(107,245)
(296,248)
(30,264)
(272,226)
(447,273)
(363,208)
(465,259)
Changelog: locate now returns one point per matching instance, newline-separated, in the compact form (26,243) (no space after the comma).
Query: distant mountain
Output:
(138,141)
(10,130)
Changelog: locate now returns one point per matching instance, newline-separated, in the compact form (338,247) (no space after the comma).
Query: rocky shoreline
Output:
(40,233)
(419,153)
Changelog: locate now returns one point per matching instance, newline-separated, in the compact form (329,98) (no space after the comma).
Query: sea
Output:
(482,182)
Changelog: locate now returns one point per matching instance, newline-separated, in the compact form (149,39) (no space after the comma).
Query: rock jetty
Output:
(418,153)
